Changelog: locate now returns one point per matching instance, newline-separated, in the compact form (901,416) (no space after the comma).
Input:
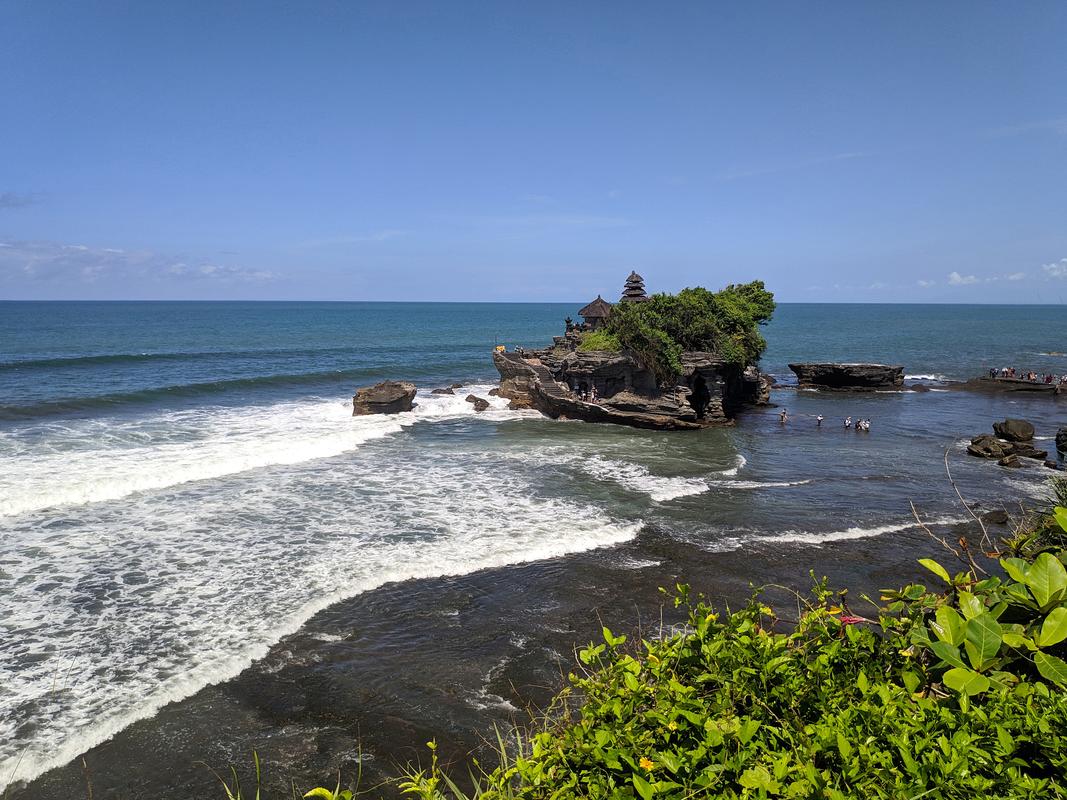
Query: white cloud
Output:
(925,284)
(955,279)
(1015,276)
(1057,269)
(50,262)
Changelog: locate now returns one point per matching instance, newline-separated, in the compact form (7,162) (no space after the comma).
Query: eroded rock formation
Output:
(387,397)
(849,377)
(597,386)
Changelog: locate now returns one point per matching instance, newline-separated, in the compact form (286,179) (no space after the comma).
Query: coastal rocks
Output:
(988,446)
(494,392)
(849,377)
(387,397)
(447,390)
(1052,465)
(1014,430)
(996,517)
(1061,442)
(480,404)
(1010,461)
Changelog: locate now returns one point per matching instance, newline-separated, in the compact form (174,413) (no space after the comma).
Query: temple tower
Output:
(634,291)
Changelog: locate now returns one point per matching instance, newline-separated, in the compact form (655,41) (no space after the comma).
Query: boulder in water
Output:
(446,390)
(387,397)
(494,392)
(1052,465)
(987,446)
(996,517)
(1027,450)
(1010,461)
(1014,430)
(480,403)
(1061,441)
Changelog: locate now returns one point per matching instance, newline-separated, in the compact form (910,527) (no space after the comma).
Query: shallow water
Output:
(183,487)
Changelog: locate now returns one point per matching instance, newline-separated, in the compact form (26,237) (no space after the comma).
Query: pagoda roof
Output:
(635,278)
(598,308)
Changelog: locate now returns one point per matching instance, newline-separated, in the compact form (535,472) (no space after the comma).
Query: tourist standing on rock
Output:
(848,422)
(783,415)
(818,421)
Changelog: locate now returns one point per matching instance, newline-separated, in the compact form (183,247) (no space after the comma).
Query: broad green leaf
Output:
(1046,579)
(1016,568)
(747,730)
(947,653)
(965,681)
(1013,639)
(984,635)
(758,777)
(1054,628)
(1061,517)
(325,794)
(643,787)
(970,605)
(949,626)
(937,569)
(1051,668)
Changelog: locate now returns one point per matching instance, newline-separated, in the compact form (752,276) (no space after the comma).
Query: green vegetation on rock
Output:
(600,340)
(661,328)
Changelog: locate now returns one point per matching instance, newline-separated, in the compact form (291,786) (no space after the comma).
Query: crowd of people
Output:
(861,425)
(1009,372)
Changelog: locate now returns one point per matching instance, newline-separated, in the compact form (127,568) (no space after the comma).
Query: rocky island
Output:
(667,362)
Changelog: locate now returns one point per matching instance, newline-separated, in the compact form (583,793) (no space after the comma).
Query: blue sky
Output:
(845,151)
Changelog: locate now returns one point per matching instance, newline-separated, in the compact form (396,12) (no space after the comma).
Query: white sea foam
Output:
(739,464)
(927,377)
(100,460)
(111,610)
(758,484)
(628,474)
(805,537)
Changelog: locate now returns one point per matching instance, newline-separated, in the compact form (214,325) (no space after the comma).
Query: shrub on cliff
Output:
(958,693)
(600,340)
(726,322)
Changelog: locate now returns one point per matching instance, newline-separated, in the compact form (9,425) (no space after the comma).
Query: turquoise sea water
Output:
(182,485)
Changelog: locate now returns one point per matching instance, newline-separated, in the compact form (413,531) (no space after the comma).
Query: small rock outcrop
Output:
(996,517)
(1010,461)
(988,446)
(849,377)
(1014,430)
(480,403)
(1061,442)
(446,390)
(387,397)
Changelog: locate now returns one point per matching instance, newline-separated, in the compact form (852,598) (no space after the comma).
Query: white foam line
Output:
(803,537)
(757,484)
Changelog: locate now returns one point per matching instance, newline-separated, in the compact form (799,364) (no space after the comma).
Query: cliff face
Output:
(555,380)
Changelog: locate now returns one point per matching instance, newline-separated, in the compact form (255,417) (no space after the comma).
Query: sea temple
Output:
(571,380)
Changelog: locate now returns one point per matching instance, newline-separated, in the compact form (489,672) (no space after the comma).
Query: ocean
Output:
(203,553)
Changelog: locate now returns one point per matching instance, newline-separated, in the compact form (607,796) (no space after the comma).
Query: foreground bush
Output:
(958,693)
